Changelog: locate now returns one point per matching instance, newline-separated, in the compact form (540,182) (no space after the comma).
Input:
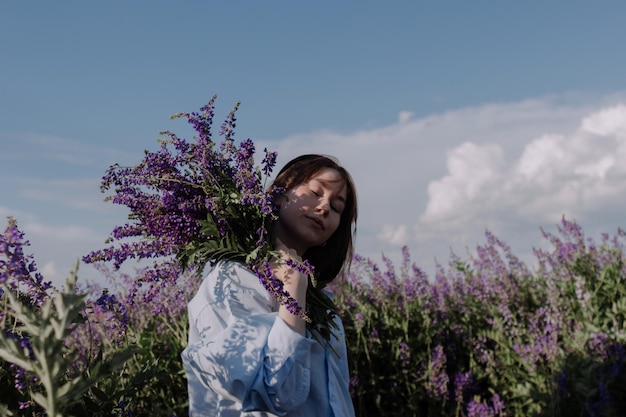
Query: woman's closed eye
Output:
(336,208)
(333,206)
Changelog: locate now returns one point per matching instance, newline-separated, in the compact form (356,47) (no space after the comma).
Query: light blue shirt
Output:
(243,360)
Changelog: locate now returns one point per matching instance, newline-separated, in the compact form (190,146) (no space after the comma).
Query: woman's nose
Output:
(323,206)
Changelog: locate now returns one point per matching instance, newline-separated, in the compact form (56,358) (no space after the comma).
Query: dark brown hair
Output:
(331,258)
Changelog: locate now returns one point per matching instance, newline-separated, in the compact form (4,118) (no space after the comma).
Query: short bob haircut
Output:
(330,259)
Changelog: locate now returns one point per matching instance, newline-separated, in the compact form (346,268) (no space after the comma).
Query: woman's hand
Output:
(295,283)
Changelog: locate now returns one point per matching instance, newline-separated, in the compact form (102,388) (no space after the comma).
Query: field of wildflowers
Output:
(485,337)
(489,337)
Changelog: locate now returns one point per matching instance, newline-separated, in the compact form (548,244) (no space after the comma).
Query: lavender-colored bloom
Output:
(19,271)
(498,405)
(228,126)
(109,303)
(374,337)
(269,162)
(359,320)
(18,275)
(461,382)
(597,345)
(404,355)
(557,327)
(354,385)
(195,202)
(437,379)
(476,408)
(276,288)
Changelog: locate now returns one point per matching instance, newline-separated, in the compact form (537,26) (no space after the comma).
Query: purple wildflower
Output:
(269,162)
(404,355)
(461,382)
(437,379)
(477,408)
(358,320)
(19,271)
(354,384)
(194,203)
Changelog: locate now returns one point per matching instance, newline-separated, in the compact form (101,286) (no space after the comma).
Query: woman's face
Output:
(311,212)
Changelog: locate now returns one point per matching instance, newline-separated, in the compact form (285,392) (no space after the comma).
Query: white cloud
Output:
(394,235)
(540,159)
(473,170)
(61,234)
(607,122)
(57,246)
(509,167)
(50,272)
(405,117)
(574,173)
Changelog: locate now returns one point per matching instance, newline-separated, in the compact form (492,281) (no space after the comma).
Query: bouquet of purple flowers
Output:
(193,203)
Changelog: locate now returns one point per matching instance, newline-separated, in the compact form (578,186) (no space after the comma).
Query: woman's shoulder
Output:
(229,292)
(229,277)
(228,270)
(227,284)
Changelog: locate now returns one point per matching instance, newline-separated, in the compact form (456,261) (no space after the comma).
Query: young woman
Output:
(248,357)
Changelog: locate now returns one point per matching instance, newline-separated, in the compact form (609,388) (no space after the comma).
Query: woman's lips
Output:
(318,222)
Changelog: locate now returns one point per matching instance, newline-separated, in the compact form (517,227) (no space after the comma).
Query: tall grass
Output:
(486,336)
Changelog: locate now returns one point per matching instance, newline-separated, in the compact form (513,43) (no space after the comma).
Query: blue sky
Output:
(454,117)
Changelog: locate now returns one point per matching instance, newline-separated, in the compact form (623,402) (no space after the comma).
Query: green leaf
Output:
(4,411)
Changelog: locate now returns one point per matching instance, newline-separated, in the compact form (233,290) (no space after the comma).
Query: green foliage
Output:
(163,386)
(487,337)
(46,328)
(152,382)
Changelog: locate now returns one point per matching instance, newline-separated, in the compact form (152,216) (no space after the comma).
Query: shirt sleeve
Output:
(240,349)
(338,375)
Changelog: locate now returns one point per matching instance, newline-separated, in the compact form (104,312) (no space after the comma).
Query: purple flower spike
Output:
(193,203)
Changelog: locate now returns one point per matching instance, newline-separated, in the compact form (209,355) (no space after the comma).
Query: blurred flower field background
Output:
(486,336)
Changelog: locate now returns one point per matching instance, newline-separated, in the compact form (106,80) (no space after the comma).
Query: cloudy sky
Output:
(453,117)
